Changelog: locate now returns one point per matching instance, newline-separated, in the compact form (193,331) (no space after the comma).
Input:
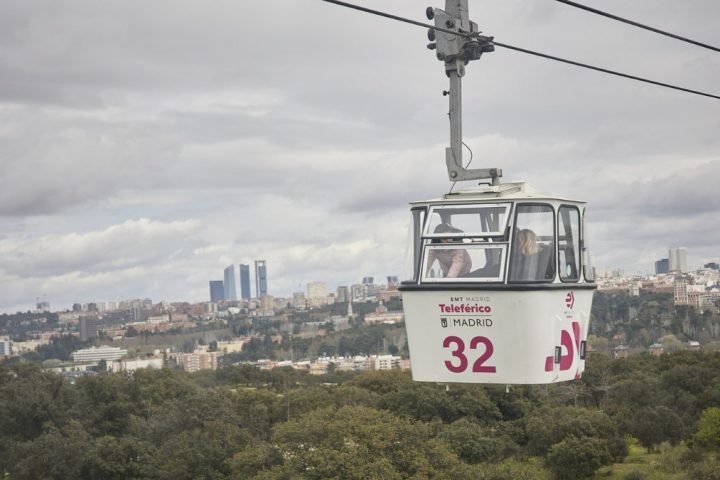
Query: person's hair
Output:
(447,228)
(527,242)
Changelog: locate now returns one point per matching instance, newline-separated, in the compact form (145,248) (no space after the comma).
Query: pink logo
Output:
(571,344)
(570,300)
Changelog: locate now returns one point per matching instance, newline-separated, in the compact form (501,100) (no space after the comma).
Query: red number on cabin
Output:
(462,360)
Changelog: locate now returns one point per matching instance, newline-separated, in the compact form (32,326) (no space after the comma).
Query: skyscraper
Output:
(342,295)
(662,266)
(260,278)
(678,259)
(88,327)
(229,284)
(217,291)
(244,282)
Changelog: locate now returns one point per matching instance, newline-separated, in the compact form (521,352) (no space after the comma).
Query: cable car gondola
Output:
(501,289)
(502,284)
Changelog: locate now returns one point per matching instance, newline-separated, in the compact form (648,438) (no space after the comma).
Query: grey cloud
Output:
(133,243)
(685,193)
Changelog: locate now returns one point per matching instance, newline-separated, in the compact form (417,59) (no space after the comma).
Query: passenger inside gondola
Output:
(531,259)
(453,261)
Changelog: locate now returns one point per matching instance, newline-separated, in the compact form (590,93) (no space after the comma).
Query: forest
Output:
(239,422)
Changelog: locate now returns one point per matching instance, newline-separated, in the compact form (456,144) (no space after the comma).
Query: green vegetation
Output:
(643,417)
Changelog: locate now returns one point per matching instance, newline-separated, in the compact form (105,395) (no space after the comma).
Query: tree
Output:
(118,458)
(131,332)
(199,452)
(550,427)
(575,458)
(31,400)
(360,443)
(708,431)
(58,454)
(474,444)
(653,425)
(597,377)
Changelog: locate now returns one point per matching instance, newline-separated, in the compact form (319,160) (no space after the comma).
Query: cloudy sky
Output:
(146,145)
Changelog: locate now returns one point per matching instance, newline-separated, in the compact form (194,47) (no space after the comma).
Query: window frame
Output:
(427,234)
(428,247)
(518,207)
(578,256)
(587,268)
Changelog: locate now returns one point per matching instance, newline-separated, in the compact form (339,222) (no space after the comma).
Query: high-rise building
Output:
(298,300)
(217,291)
(680,291)
(342,294)
(316,290)
(677,258)
(368,280)
(662,266)
(245,282)
(260,278)
(88,327)
(357,293)
(230,292)
(392,280)
(317,294)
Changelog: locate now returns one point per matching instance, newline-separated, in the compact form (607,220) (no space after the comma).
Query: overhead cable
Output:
(636,24)
(605,70)
(523,50)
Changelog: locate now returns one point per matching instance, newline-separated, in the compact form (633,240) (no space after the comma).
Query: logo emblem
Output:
(443,322)
(570,300)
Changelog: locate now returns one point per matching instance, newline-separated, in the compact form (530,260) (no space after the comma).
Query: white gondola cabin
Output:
(502,287)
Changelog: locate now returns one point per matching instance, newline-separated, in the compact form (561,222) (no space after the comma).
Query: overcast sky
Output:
(146,145)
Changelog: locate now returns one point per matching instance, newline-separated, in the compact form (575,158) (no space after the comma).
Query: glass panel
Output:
(533,258)
(588,270)
(569,244)
(479,220)
(418,215)
(463,262)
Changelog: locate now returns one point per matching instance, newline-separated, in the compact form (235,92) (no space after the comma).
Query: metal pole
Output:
(456,116)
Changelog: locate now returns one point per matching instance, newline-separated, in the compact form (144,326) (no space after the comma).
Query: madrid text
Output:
(472,322)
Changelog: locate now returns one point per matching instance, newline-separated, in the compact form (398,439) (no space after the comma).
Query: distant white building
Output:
(28,346)
(132,365)
(316,290)
(387,362)
(5,346)
(158,319)
(193,362)
(95,354)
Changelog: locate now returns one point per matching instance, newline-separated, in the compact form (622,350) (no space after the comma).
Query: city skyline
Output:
(146,171)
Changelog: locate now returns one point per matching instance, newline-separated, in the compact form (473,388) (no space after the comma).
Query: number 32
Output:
(459,354)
